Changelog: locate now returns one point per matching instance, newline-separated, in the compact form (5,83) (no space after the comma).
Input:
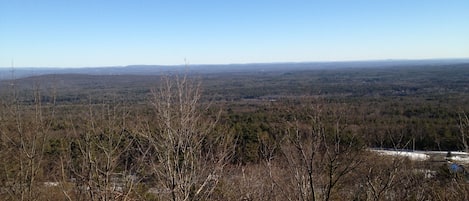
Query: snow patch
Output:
(460,159)
(411,155)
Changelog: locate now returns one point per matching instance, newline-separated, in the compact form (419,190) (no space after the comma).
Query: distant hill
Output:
(9,73)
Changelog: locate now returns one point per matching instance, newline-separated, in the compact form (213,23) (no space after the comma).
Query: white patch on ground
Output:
(456,156)
(460,159)
(51,184)
(416,156)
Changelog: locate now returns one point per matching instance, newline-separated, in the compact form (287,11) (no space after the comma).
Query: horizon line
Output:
(240,63)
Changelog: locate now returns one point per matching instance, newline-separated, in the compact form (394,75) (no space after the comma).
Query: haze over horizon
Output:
(53,33)
(377,62)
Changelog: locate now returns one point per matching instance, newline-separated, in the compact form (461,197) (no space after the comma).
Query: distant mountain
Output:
(9,73)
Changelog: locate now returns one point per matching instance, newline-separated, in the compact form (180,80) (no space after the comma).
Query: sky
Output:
(89,33)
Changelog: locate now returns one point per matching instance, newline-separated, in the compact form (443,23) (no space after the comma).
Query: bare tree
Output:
(382,176)
(320,156)
(95,158)
(24,136)
(186,155)
(464,130)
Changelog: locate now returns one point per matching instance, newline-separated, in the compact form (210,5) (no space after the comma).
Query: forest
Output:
(303,134)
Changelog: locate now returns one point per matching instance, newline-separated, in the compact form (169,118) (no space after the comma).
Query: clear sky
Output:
(80,33)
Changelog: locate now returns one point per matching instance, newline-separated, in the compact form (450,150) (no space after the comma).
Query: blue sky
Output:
(124,32)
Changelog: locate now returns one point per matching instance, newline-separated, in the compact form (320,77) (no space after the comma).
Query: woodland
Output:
(264,135)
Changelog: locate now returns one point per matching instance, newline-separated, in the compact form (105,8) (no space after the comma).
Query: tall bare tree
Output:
(187,152)
(24,135)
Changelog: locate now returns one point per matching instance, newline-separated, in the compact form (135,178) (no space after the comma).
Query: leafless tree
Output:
(382,176)
(319,157)
(24,136)
(95,158)
(464,130)
(187,152)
